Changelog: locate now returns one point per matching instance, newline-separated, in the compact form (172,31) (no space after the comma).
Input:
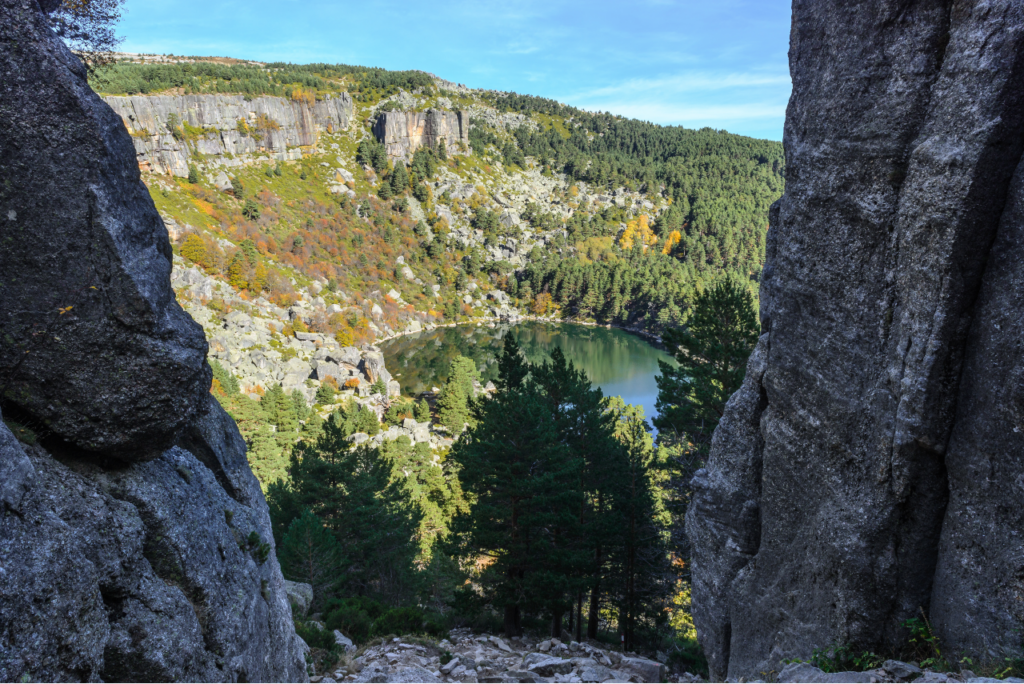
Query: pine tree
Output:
(355,494)
(193,174)
(310,553)
(399,179)
(442,150)
(325,394)
(521,479)
(712,351)
(422,411)
(299,404)
(639,576)
(453,407)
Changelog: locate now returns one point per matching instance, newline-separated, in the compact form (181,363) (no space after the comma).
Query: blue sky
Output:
(718,63)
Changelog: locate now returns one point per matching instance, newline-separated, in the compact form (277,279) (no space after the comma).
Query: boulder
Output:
(901,670)
(300,596)
(144,572)
(595,673)
(805,672)
(547,666)
(643,669)
(373,368)
(343,641)
(865,468)
(86,304)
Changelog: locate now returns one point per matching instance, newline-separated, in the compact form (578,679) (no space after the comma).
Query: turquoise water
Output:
(619,363)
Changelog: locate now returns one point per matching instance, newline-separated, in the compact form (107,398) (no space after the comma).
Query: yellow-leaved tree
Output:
(673,239)
(638,230)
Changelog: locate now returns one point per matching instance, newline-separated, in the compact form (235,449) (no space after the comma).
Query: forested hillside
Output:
(292,253)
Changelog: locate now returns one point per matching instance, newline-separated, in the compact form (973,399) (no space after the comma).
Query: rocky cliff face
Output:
(135,543)
(404,132)
(276,127)
(873,463)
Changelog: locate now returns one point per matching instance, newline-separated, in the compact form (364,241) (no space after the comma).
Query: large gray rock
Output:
(805,673)
(143,573)
(94,345)
(402,133)
(888,379)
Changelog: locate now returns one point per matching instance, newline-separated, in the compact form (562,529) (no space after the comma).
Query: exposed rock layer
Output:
(869,466)
(274,124)
(94,344)
(405,132)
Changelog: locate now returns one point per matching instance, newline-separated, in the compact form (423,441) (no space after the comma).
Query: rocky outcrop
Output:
(147,573)
(274,126)
(404,132)
(871,464)
(135,542)
(94,345)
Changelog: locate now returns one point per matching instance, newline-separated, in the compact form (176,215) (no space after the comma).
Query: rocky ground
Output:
(890,671)
(468,657)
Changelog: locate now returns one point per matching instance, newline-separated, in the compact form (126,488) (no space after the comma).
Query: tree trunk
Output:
(579,616)
(592,615)
(513,628)
(556,624)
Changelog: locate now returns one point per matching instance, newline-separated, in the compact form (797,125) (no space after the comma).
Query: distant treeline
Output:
(721,184)
(277,78)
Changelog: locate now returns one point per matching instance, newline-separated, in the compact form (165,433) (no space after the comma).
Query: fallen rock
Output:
(901,670)
(807,673)
(549,667)
(644,670)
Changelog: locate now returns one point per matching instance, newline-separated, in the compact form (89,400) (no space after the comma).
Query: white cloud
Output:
(702,115)
(691,82)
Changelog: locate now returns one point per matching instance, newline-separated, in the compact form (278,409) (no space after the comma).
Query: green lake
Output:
(618,362)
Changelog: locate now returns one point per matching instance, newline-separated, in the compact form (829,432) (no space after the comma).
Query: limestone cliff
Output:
(404,132)
(135,542)
(873,462)
(232,128)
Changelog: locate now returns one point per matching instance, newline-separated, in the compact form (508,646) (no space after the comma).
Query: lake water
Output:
(619,363)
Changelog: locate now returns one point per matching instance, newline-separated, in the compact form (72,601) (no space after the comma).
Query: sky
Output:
(695,63)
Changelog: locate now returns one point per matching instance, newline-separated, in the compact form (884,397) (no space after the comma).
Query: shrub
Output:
(408,621)
(314,637)
(353,617)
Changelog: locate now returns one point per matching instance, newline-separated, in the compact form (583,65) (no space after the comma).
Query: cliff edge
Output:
(872,464)
(135,543)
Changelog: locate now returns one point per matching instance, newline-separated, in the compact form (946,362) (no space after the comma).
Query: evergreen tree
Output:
(442,150)
(453,406)
(399,179)
(640,578)
(227,380)
(422,411)
(299,404)
(522,481)
(352,490)
(193,174)
(310,553)
(325,394)
(712,351)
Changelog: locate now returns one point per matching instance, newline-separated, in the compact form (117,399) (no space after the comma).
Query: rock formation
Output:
(404,132)
(271,125)
(135,542)
(872,464)
(85,262)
